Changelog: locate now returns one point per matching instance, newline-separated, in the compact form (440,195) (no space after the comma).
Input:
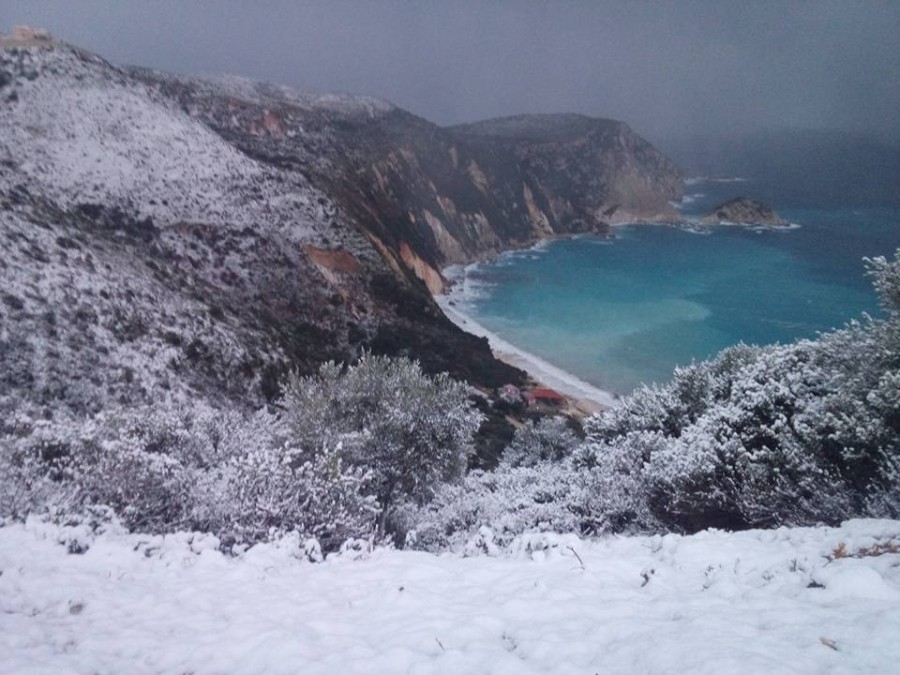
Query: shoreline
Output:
(583,398)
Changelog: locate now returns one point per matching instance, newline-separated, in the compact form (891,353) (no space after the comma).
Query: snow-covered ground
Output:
(753,602)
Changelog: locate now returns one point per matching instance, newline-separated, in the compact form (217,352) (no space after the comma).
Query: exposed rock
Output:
(743,211)
(452,195)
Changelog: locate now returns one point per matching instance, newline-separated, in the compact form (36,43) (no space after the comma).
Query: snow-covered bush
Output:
(409,432)
(269,491)
(166,467)
(549,439)
(791,434)
(131,461)
(507,501)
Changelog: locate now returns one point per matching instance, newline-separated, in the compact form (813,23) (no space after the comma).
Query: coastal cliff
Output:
(172,236)
(428,196)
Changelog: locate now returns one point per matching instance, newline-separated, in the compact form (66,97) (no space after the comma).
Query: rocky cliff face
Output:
(428,196)
(168,236)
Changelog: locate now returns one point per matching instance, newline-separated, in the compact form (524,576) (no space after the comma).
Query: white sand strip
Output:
(542,371)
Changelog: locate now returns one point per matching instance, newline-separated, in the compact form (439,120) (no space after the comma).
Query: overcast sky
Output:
(667,68)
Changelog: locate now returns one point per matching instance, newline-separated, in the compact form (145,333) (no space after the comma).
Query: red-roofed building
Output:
(545,396)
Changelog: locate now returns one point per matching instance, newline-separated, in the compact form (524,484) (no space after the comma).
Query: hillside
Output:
(148,256)
(429,196)
(198,237)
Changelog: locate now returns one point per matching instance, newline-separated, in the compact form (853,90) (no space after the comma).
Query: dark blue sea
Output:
(620,312)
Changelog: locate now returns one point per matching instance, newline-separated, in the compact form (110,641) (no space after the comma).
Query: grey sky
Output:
(665,67)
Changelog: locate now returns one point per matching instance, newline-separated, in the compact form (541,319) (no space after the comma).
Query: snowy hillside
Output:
(147,256)
(144,255)
(805,600)
(182,259)
(84,132)
(266,92)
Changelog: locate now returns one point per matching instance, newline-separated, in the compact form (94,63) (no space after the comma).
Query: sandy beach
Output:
(583,398)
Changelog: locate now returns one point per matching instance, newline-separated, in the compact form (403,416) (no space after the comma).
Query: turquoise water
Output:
(621,312)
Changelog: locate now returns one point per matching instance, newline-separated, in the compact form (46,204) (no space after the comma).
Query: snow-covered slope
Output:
(82,131)
(350,105)
(147,255)
(778,601)
(134,239)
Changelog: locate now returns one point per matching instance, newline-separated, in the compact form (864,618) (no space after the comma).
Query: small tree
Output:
(411,432)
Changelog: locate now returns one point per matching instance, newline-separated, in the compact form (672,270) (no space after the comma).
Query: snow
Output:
(714,602)
(351,105)
(78,132)
(83,131)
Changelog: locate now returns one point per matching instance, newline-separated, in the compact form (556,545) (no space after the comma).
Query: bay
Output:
(617,313)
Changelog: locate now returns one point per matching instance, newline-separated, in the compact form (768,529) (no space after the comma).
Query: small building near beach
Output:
(545,396)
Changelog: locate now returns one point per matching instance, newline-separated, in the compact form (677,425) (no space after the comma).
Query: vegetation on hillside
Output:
(757,437)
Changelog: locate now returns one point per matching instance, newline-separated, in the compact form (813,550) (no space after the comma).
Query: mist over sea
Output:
(617,313)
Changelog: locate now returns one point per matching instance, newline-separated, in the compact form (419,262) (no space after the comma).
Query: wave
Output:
(690,199)
(695,228)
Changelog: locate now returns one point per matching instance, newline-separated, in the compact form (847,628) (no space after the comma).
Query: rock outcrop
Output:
(26,36)
(744,211)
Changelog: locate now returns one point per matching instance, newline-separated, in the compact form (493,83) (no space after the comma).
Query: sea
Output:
(609,314)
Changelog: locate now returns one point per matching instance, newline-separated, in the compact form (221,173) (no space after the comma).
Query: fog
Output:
(667,68)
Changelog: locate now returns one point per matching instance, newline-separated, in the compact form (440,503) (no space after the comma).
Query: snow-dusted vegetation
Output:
(171,425)
(757,437)
(85,132)
(341,450)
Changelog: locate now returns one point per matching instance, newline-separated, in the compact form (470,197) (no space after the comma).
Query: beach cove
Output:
(594,317)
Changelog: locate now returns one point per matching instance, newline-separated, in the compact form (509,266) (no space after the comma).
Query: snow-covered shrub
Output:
(885,276)
(268,491)
(790,434)
(508,501)
(550,439)
(344,447)
(166,467)
(617,485)
(71,463)
(409,432)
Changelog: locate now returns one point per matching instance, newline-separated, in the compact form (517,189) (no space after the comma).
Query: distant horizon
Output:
(671,135)
(666,68)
